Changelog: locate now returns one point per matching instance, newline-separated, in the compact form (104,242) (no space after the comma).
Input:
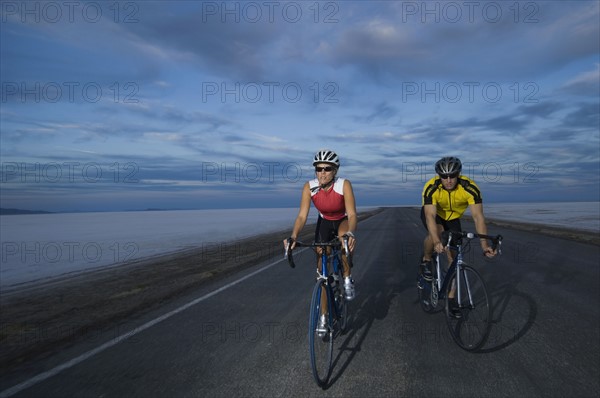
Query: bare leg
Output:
(345,264)
(428,244)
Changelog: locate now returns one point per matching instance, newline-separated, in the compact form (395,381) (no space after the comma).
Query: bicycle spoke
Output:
(470,326)
(321,344)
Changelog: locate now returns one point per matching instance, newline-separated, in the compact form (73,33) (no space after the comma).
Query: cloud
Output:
(541,110)
(227,48)
(585,84)
(370,52)
(586,116)
(382,112)
(474,47)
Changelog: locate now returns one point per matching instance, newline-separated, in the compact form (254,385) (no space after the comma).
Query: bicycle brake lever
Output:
(497,244)
(449,239)
(345,240)
(288,253)
(287,248)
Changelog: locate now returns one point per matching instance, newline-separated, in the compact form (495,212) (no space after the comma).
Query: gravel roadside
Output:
(38,320)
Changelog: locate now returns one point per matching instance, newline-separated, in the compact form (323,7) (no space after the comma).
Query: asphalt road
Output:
(250,337)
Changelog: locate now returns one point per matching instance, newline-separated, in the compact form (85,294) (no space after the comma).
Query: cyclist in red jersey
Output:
(333,197)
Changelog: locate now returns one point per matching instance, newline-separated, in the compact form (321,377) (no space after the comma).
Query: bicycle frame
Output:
(457,263)
(335,255)
(323,275)
(323,271)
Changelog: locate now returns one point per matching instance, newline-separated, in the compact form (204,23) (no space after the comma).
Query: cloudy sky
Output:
(191,105)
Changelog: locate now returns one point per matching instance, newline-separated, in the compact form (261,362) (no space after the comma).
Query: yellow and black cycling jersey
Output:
(451,205)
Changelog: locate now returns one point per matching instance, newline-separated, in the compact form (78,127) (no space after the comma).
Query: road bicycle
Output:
(328,300)
(467,304)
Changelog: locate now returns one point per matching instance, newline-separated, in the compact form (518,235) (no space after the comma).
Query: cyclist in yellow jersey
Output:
(445,199)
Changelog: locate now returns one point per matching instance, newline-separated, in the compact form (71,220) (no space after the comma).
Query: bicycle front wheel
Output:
(469,323)
(320,339)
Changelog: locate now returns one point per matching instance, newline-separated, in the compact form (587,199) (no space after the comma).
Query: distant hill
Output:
(5,212)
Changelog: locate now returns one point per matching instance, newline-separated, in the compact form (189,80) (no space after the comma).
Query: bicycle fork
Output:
(462,277)
(467,287)
(330,286)
(460,282)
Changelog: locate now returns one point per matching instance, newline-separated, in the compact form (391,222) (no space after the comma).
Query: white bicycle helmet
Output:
(326,156)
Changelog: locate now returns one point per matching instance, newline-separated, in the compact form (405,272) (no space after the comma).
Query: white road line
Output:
(69,364)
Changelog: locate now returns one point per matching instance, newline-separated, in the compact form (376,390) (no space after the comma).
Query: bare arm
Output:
(302,214)
(481,228)
(350,204)
(434,234)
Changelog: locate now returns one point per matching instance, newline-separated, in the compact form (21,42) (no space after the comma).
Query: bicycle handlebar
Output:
(496,240)
(333,243)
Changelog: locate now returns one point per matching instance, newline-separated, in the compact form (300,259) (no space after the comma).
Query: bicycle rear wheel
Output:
(428,290)
(427,294)
(470,325)
(320,344)
(341,306)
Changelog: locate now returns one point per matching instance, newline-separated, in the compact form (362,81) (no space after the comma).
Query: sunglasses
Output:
(327,169)
(446,176)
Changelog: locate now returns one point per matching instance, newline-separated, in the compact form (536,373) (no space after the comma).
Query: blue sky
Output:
(190,105)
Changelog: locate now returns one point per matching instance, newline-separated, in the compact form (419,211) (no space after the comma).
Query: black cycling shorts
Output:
(327,230)
(449,225)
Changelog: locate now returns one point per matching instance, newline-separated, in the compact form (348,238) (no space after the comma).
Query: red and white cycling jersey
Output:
(330,203)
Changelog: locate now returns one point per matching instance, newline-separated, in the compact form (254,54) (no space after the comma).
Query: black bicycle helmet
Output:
(326,156)
(448,165)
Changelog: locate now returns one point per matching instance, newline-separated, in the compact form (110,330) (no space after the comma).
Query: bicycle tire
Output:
(321,347)
(471,330)
(428,291)
(424,291)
